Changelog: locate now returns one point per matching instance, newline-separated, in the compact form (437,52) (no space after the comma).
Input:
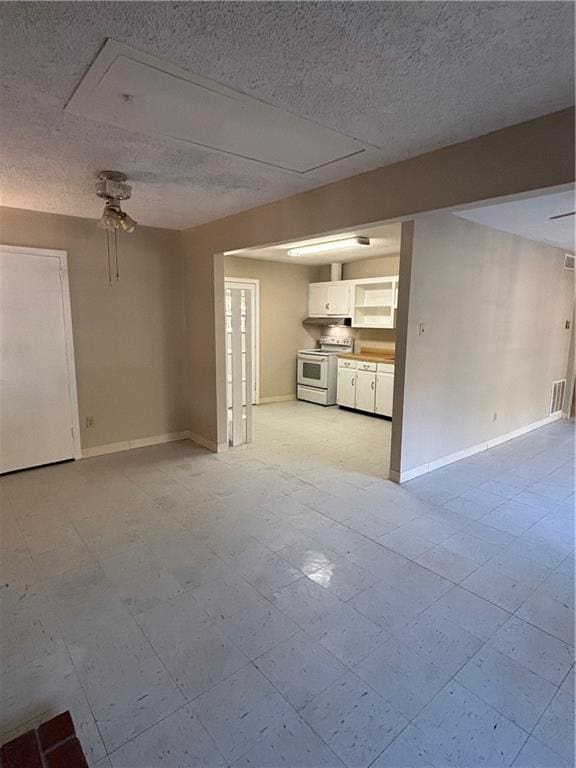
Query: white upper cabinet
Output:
(338,297)
(330,299)
(371,303)
(317,299)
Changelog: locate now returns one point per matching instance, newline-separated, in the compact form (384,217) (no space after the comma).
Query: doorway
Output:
(312,314)
(38,402)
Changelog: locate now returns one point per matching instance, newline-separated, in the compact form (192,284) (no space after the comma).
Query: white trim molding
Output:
(410,474)
(276,399)
(204,442)
(139,442)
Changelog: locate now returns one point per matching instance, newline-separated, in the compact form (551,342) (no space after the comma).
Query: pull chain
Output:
(116,255)
(109,247)
(109,257)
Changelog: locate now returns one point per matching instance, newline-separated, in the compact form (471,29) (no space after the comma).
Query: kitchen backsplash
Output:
(384,338)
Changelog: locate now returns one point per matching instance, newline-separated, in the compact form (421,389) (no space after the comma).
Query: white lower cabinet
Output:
(384,393)
(346,392)
(366,387)
(365,391)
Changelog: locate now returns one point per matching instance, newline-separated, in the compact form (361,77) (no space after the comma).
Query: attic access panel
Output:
(138,92)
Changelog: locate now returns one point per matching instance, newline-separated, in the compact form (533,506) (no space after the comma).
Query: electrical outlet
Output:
(89,421)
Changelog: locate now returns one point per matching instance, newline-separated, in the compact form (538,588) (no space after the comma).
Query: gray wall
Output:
(494,308)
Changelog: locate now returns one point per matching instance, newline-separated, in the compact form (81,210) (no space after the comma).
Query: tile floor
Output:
(275,606)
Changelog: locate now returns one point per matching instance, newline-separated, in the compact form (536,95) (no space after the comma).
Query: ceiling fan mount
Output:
(111,186)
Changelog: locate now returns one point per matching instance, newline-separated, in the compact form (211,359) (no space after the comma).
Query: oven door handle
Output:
(312,358)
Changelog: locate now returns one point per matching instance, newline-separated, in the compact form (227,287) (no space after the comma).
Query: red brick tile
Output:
(67,755)
(56,730)
(22,752)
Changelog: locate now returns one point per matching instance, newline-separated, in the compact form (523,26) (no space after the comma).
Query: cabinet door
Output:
(338,299)
(317,299)
(384,393)
(345,394)
(365,391)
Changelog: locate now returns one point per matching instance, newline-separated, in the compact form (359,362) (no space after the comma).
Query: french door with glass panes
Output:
(241,360)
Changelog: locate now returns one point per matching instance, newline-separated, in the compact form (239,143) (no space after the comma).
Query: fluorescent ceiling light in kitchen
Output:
(331,245)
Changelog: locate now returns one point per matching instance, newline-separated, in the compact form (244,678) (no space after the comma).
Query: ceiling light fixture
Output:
(112,187)
(327,247)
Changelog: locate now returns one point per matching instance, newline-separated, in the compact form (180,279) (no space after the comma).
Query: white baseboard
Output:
(276,399)
(140,442)
(523,430)
(203,442)
(410,474)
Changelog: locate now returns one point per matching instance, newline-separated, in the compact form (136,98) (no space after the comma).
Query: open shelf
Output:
(375,303)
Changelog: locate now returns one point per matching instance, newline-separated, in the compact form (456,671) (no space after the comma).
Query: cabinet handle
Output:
(353,382)
(327,305)
(372,385)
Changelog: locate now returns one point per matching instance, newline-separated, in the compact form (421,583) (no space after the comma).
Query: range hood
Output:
(328,321)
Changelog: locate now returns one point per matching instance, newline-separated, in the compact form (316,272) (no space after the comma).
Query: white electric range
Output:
(318,370)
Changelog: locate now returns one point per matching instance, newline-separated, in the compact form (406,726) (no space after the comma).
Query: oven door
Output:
(313,370)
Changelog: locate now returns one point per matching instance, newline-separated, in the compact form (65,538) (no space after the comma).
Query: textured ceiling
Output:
(405,77)
(531,218)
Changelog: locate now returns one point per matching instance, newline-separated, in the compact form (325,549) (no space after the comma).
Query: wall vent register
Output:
(557,396)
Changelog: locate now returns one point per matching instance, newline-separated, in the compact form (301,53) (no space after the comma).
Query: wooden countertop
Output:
(368,357)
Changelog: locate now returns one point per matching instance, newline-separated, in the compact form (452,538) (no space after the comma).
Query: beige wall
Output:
(494,308)
(129,338)
(283,306)
(524,157)
(382,266)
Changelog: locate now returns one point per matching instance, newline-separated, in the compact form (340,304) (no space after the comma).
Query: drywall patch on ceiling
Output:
(132,90)
(531,218)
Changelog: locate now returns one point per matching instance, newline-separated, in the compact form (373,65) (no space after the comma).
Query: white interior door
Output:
(38,406)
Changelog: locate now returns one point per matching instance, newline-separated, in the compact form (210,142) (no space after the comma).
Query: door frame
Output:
(62,257)
(255,327)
